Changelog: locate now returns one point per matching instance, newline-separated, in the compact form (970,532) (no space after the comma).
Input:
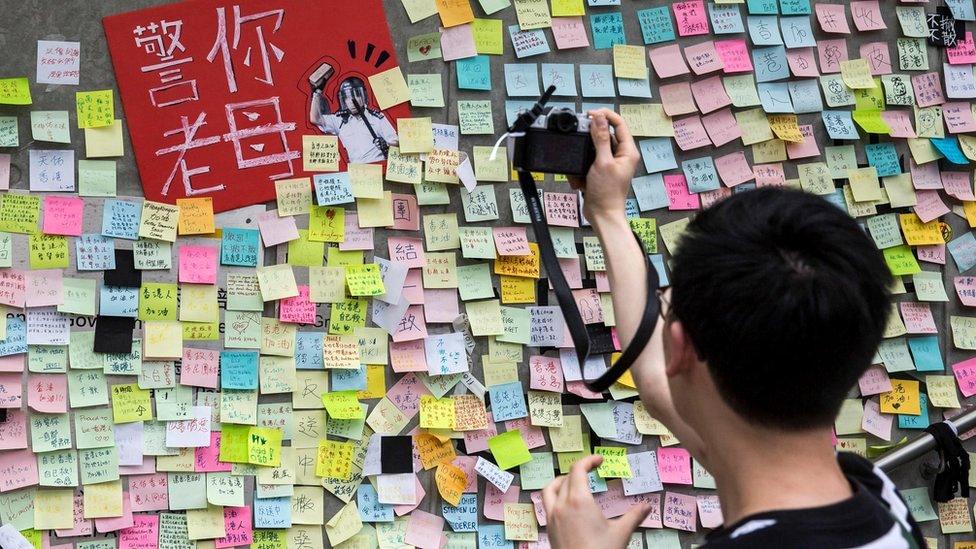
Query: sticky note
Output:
(390,87)
(104,141)
(14,91)
(95,108)
(509,449)
(196,215)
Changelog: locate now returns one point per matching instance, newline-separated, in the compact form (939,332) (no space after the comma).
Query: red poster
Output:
(218,94)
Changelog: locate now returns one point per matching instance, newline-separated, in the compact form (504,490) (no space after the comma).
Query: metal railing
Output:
(923,444)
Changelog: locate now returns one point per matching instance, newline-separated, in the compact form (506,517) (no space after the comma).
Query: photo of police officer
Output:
(364,132)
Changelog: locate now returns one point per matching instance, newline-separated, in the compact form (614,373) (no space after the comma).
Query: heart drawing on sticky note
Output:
(239,327)
(425,49)
(896,405)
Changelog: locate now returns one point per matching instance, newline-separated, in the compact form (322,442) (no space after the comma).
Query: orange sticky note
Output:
(454,12)
(196,215)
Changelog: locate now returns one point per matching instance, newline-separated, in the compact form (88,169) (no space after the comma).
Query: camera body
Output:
(558,142)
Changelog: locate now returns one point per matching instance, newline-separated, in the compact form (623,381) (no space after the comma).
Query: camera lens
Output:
(563,121)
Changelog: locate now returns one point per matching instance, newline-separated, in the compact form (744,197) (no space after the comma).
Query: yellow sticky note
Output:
(918,233)
(615,464)
(276,282)
(342,405)
(196,215)
(567,8)
(294,196)
(159,221)
(376,212)
(48,251)
(320,153)
(14,91)
(162,340)
(454,12)
(264,446)
(390,88)
(629,61)
(436,413)
(488,36)
(520,522)
(103,500)
(52,509)
(95,108)
(366,180)
(327,224)
(419,9)
(104,141)
(131,403)
(364,280)
(416,135)
(864,184)
(304,252)
(533,14)
(785,127)
(856,73)
(334,459)
(902,398)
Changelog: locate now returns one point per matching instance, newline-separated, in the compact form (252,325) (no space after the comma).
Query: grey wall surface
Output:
(22,23)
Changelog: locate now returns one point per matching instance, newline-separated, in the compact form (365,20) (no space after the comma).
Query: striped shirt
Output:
(874,517)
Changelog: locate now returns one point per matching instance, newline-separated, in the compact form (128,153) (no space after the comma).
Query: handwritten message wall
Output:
(301,378)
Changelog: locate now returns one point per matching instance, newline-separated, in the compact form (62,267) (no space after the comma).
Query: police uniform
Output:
(355,135)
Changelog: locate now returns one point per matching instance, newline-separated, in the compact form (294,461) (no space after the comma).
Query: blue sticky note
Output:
(16,342)
(120,219)
(963,251)
(593,106)
(474,73)
(561,75)
(949,147)
(239,247)
(662,275)
(94,252)
(272,512)
(512,108)
(797,32)
(836,198)
(596,483)
(116,301)
(805,95)
(775,97)
(760,7)
(596,81)
(658,154)
(763,30)
(700,174)
(839,124)
(634,87)
(770,64)
(344,379)
(332,189)
(656,25)
(528,42)
(308,351)
(795,7)
(631,208)
(370,508)
(492,536)
(508,401)
(926,353)
(464,516)
(884,158)
(962,10)
(607,29)
(522,80)
(650,193)
(920,421)
(597,3)
(238,370)
(726,18)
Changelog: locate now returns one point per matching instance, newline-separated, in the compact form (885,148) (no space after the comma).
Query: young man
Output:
(777,303)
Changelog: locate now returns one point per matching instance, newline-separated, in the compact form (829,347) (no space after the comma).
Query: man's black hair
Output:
(786,298)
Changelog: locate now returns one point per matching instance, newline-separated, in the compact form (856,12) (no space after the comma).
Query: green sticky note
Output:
(515,320)
(424,47)
(243,293)
(59,468)
(233,443)
(475,117)
(48,251)
(919,504)
(474,282)
(615,464)
(567,8)
(6,250)
(78,296)
(86,388)
(870,121)
(901,260)
(509,449)
(491,6)
(152,255)
(342,405)
(646,230)
(488,36)
(50,432)
(15,91)
(93,428)
(599,415)
(96,109)
(157,301)
(97,178)
(476,243)
(81,354)
(538,472)
(426,90)
(432,193)
(9,136)
(48,359)
(304,252)
(99,465)
(50,126)
(351,429)
(19,213)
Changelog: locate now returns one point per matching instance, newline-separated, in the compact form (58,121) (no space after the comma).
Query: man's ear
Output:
(682,353)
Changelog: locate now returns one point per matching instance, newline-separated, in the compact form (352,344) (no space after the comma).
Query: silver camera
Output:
(558,141)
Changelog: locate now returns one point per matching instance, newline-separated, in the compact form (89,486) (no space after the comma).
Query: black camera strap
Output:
(564,295)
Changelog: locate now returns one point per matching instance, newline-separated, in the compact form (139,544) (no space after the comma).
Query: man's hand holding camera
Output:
(608,182)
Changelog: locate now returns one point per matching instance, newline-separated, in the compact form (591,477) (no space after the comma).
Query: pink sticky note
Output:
(206,458)
(680,511)
(966,290)
(494,507)
(710,94)
(412,326)
(677,99)
(441,305)
(831,53)
(733,168)
(878,57)
(545,373)
(668,61)
(198,264)
(805,149)
(114,524)
(613,502)
(769,175)
(932,253)
(13,363)
(413,287)
(874,381)
(149,492)
(419,492)
(928,89)
(917,317)
(458,42)
(900,123)
(405,394)
(47,393)
(570,266)
(407,251)
(63,215)
(510,241)
(578,387)
(929,205)
(143,534)
(276,230)
(958,116)
(145,467)
(298,309)
(689,133)
(674,465)
(13,288)
(13,431)
(964,52)
(867,15)
(709,511)
(876,423)
(925,176)
(200,367)
(569,32)
(965,373)
(679,198)
(703,58)
(18,468)
(408,356)
(358,238)
(722,127)
(832,17)
(237,523)
(711,197)
(691,17)
(562,209)
(477,441)
(958,185)
(802,62)
(406,213)
(531,434)
(44,287)
(4,172)
(734,55)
